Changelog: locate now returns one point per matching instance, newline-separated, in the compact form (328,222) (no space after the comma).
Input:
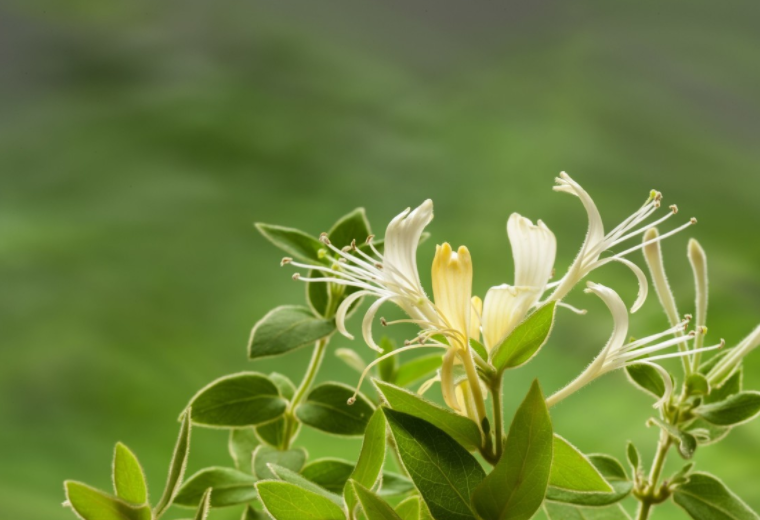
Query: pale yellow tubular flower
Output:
(698,261)
(476,311)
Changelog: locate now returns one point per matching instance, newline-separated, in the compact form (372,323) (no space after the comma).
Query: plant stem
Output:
(498,417)
(654,476)
(316,360)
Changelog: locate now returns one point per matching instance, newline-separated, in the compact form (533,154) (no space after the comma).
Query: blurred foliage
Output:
(139,141)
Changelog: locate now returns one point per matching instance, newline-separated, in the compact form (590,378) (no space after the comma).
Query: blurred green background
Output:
(140,140)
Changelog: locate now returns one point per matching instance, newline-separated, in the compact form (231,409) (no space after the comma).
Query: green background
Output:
(140,140)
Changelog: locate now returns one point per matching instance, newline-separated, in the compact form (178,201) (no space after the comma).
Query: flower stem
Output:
(498,417)
(316,360)
(652,496)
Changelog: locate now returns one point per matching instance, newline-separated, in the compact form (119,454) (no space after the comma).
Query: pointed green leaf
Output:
(375,508)
(273,433)
(646,378)
(526,340)
(462,429)
(442,470)
(177,465)
(92,504)
(634,458)
(285,329)
(704,497)
(515,488)
(409,508)
(284,385)
(326,408)
(286,501)
(571,470)
(393,484)
(556,511)
(417,368)
(294,478)
(230,487)
(736,409)
(128,477)
(265,455)
(331,474)
(613,473)
(241,443)
(252,514)
(479,349)
(732,385)
(371,458)
(244,399)
(204,506)
(294,242)
(352,226)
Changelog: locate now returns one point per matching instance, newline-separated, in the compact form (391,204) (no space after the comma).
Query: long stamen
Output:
(643,229)
(691,222)
(679,354)
(619,357)
(649,339)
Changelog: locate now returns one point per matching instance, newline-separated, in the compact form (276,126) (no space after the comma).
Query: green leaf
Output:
(241,443)
(613,473)
(479,349)
(293,241)
(555,511)
(252,514)
(394,484)
(732,385)
(286,501)
(646,378)
(244,399)
(177,465)
(571,470)
(417,368)
(230,487)
(375,508)
(634,458)
(462,429)
(352,226)
(351,358)
(442,470)
(92,504)
(409,508)
(204,506)
(736,409)
(516,487)
(371,458)
(687,443)
(128,477)
(294,478)
(287,328)
(273,433)
(331,474)
(326,408)
(526,340)
(707,433)
(386,369)
(284,385)
(264,455)
(704,497)
(697,384)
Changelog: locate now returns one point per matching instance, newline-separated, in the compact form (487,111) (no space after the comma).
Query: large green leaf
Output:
(646,378)
(371,458)
(704,497)
(91,504)
(241,443)
(735,409)
(526,340)
(293,241)
(177,465)
(417,368)
(244,399)
(285,329)
(613,473)
(264,455)
(515,488)
(128,477)
(462,429)
(286,501)
(571,470)
(556,511)
(230,487)
(375,508)
(442,470)
(326,408)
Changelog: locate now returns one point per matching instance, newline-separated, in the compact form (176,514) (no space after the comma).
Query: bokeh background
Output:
(140,140)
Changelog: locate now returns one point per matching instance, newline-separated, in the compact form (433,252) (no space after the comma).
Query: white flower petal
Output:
(619,317)
(340,314)
(503,309)
(367,323)
(401,239)
(534,249)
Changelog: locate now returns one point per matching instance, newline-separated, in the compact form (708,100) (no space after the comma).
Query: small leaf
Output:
(351,358)
(264,455)
(371,458)
(352,226)
(393,484)
(409,508)
(634,458)
(442,470)
(326,409)
(646,378)
(704,497)
(462,429)
(555,511)
(230,487)
(386,369)
(204,506)
(526,340)
(571,470)
(244,399)
(613,473)
(273,433)
(286,501)
(736,409)
(417,368)
(252,514)
(687,443)
(732,385)
(285,329)
(294,478)
(516,487)
(128,477)
(375,508)
(293,241)
(479,349)
(284,385)
(331,474)
(177,465)
(241,443)
(697,384)
(92,504)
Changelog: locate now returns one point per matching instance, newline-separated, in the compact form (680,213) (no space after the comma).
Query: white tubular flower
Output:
(618,354)
(597,242)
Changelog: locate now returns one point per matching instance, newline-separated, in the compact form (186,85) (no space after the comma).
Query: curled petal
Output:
(340,314)
(619,317)
(665,378)
(401,239)
(595,227)
(448,388)
(367,323)
(643,282)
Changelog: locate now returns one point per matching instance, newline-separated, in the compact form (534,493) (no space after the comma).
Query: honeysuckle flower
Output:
(726,366)
(597,242)
(618,354)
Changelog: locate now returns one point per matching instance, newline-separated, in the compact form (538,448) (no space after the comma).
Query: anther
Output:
(722,343)
(285,261)
(688,317)
(703,330)
(693,220)
(353,245)
(692,333)
(296,276)
(346,249)
(379,265)
(383,322)
(369,239)
(674,209)
(351,401)
(323,238)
